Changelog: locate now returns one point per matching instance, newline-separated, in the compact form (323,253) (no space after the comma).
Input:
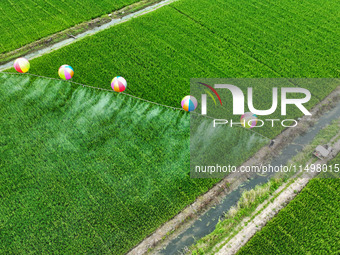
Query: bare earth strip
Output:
(242,237)
(182,221)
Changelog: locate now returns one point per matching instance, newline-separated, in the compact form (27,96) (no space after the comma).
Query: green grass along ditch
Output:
(206,223)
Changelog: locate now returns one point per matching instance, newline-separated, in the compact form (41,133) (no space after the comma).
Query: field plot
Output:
(25,21)
(159,52)
(85,171)
(308,225)
(292,39)
(88,171)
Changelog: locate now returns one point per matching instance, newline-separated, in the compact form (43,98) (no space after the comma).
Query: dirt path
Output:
(59,40)
(242,237)
(182,221)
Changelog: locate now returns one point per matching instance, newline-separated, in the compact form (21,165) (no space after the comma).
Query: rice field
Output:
(19,26)
(308,225)
(90,171)
(158,53)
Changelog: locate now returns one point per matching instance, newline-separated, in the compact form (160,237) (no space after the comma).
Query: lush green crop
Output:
(308,225)
(159,52)
(245,207)
(89,171)
(292,39)
(25,21)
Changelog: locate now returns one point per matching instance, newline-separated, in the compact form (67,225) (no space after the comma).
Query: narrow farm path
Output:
(170,230)
(55,46)
(242,237)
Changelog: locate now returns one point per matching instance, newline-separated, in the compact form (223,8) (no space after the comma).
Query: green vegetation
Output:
(25,21)
(308,225)
(251,199)
(157,53)
(225,228)
(160,52)
(88,171)
(330,132)
(291,39)
(164,49)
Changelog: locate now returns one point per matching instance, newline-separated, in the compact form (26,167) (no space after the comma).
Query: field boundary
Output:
(248,206)
(272,209)
(182,221)
(60,39)
(129,95)
(285,185)
(92,87)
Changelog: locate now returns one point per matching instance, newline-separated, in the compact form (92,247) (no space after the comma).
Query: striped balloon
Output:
(249,120)
(118,84)
(189,103)
(65,72)
(22,65)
